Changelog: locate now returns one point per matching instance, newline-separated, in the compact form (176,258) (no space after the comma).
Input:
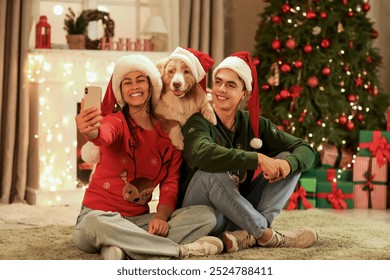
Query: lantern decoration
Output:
(42,34)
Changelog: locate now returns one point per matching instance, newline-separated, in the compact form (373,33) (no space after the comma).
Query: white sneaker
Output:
(238,240)
(301,238)
(112,253)
(205,246)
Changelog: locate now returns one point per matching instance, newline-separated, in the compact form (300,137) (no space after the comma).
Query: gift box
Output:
(304,196)
(370,183)
(333,193)
(332,157)
(375,143)
(322,174)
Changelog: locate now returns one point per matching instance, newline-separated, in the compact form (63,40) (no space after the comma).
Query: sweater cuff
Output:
(252,160)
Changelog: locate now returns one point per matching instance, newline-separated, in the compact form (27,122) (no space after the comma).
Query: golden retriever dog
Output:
(180,98)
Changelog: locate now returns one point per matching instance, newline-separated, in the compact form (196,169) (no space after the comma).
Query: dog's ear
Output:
(161,65)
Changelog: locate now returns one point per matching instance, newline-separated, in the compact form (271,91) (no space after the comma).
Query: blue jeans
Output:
(255,212)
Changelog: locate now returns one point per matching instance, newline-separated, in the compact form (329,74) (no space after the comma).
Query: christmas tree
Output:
(318,70)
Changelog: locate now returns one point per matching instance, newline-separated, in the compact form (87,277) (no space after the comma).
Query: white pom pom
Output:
(90,153)
(256,143)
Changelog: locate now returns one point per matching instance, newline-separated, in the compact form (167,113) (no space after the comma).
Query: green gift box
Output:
(304,196)
(322,174)
(377,142)
(337,195)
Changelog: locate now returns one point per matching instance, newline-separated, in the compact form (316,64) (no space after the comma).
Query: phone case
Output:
(92,97)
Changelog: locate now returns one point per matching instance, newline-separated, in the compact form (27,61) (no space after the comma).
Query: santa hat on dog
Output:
(200,63)
(135,62)
(242,64)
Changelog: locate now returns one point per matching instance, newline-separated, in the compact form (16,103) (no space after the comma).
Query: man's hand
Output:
(273,169)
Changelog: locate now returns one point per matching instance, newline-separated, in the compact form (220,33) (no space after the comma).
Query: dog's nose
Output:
(176,84)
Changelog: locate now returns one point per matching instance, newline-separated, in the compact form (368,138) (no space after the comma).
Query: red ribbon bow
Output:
(300,193)
(336,198)
(379,147)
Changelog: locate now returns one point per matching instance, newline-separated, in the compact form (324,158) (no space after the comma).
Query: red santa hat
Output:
(135,62)
(242,64)
(200,63)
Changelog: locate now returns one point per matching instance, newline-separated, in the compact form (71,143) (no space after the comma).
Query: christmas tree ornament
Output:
(360,117)
(369,59)
(274,79)
(312,81)
(350,126)
(366,6)
(310,14)
(285,68)
(291,44)
(277,19)
(345,2)
(278,98)
(286,8)
(374,33)
(325,43)
(323,15)
(298,64)
(284,94)
(343,119)
(308,48)
(351,44)
(276,44)
(326,71)
(316,30)
(358,82)
(350,13)
(265,87)
(340,27)
(319,123)
(351,98)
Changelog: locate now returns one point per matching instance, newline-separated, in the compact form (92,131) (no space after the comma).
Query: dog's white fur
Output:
(180,98)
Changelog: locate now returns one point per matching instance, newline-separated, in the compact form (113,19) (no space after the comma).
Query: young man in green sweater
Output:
(222,160)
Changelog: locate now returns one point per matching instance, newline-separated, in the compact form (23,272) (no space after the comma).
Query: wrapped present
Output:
(322,174)
(375,143)
(304,196)
(334,193)
(370,183)
(332,157)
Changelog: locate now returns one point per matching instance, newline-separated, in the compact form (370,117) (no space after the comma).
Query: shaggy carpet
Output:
(45,233)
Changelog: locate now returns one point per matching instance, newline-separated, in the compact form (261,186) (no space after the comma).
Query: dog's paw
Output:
(210,117)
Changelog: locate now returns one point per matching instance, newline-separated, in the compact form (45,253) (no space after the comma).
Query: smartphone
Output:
(93,97)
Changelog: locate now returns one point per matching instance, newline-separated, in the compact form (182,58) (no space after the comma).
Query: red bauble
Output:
(343,119)
(374,33)
(284,93)
(366,7)
(312,81)
(291,44)
(369,59)
(310,14)
(286,8)
(326,71)
(323,15)
(351,44)
(350,126)
(319,122)
(277,19)
(277,98)
(276,44)
(351,98)
(307,48)
(265,87)
(325,43)
(360,117)
(285,68)
(350,13)
(298,64)
(256,61)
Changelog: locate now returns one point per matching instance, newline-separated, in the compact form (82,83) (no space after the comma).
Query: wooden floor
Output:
(373,214)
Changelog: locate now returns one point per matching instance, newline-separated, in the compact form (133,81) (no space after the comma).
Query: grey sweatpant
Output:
(96,228)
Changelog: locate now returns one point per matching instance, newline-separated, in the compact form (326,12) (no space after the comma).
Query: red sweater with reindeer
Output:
(129,169)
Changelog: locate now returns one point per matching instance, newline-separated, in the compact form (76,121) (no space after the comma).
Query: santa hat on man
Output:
(242,64)
(135,62)
(200,63)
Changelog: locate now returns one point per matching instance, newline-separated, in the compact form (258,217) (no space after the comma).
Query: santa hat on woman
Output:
(242,64)
(135,62)
(200,63)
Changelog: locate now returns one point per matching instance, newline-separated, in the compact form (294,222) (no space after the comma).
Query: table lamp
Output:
(156,28)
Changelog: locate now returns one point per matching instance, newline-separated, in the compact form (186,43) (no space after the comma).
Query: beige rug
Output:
(44,233)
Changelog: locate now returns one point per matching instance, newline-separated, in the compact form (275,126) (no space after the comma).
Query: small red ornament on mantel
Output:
(42,34)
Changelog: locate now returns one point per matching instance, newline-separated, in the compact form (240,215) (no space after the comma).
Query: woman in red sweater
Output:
(136,155)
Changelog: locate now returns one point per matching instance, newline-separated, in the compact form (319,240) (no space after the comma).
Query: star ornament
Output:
(358,82)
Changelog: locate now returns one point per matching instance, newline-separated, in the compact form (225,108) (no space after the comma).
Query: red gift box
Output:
(370,183)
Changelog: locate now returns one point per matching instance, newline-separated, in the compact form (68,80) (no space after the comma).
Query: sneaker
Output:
(205,246)
(112,253)
(301,238)
(238,240)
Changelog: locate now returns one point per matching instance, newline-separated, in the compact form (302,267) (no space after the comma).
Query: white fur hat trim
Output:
(134,62)
(90,153)
(239,66)
(191,60)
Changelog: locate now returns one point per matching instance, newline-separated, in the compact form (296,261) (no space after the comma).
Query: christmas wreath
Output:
(108,25)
